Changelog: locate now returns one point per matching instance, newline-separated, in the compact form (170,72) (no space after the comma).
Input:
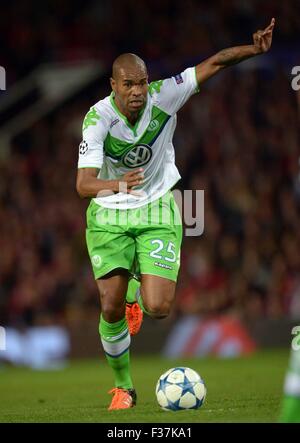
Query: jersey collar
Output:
(124,118)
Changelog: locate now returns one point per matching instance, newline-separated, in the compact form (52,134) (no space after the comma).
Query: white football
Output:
(179,389)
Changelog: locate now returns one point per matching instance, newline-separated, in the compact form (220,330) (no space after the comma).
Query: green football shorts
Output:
(144,240)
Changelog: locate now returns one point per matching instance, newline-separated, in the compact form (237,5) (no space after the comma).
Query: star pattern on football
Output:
(179,389)
(187,386)
(162,383)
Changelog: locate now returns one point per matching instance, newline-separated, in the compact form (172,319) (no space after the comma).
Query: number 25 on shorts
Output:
(164,259)
(169,253)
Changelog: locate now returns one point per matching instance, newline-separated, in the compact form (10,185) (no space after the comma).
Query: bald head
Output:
(129,82)
(126,62)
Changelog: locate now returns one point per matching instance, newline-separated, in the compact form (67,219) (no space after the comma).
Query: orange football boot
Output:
(122,399)
(134,317)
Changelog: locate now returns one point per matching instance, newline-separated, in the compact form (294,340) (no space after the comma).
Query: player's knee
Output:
(112,313)
(157,310)
(112,310)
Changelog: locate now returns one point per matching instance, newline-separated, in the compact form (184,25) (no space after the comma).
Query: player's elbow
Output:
(80,188)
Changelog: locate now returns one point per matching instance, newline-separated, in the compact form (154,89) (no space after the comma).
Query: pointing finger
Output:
(271,25)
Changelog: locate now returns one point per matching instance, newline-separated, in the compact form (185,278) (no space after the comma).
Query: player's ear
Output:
(112,84)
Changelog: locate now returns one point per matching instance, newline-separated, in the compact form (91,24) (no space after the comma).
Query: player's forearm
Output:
(234,55)
(262,41)
(222,59)
(91,186)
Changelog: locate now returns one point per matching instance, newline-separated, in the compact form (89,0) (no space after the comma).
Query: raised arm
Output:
(262,41)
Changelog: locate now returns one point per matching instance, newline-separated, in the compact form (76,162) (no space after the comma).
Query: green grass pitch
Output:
(238,390)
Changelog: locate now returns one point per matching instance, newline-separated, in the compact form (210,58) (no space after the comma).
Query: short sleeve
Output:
(172,93)
(94,131)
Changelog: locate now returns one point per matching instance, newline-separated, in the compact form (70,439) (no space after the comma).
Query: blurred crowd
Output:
(243,139)
(172,30)
(238,140)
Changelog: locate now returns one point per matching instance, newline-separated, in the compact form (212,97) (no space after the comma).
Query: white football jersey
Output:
(111,144)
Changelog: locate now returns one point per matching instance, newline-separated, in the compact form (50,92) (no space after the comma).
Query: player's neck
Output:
(133,117)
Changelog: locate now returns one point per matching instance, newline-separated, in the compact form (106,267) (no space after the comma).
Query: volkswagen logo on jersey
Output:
(137,156)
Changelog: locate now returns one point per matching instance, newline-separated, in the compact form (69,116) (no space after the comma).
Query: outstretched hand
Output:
(263,39)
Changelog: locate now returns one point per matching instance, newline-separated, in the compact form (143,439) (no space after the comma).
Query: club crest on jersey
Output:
(139,155)
(153,125)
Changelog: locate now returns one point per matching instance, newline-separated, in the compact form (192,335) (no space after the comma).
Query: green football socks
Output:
(133,286)
(133,294)
(290,409)
(115,339)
